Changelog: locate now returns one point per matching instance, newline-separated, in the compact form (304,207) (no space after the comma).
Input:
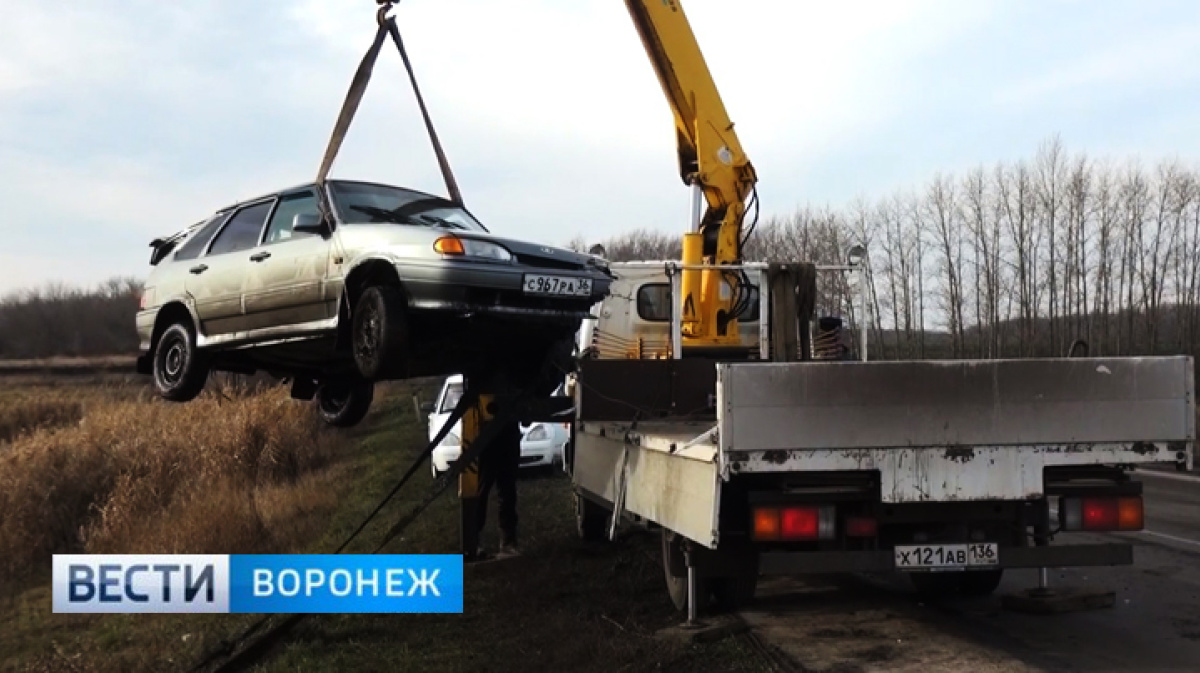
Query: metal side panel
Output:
(680,491)
(940,474)
(853,405)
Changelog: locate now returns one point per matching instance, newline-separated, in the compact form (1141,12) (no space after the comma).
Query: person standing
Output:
(498,466)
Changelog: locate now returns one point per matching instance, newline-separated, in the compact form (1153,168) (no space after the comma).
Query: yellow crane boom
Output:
(711,159)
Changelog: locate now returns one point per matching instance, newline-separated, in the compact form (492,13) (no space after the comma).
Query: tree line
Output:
(59,320)
(1014,260)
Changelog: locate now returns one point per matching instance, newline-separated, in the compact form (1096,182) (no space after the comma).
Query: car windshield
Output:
(453,395)
(359,203)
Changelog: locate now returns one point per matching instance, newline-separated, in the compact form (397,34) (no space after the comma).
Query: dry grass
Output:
(33,414)
(215,475)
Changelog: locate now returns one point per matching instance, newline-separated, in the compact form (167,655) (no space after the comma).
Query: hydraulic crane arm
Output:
(710,158)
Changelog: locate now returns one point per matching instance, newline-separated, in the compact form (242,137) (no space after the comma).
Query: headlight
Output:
(538,434)
(469,247)
(452,440)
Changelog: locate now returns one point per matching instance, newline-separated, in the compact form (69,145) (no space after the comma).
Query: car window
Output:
(364,203)
(654,303)
(195,245)
(243,230)
(450,400)
(291,205)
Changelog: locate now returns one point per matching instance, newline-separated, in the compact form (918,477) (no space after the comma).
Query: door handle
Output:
(259,257)
(199,269)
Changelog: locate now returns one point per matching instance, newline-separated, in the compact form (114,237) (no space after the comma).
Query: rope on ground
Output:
(247,652)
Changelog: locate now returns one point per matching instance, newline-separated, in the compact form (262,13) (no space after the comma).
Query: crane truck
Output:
(699,409)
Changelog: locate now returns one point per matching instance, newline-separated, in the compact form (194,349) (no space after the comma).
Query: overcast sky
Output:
(121,120)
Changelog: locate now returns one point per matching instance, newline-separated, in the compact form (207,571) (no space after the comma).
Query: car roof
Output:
(309,185)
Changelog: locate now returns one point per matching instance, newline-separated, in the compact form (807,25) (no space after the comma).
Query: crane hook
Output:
(385,6)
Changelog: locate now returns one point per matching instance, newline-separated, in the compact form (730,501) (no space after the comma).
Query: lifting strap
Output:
(387,26)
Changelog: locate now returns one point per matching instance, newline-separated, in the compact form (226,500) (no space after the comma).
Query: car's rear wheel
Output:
(344,404)
(379,333)
(180,370)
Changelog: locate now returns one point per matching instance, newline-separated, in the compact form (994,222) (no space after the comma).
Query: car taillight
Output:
(793,523)
(1102,514)
(861,526)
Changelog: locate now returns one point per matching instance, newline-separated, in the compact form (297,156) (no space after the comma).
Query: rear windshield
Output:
(362,203)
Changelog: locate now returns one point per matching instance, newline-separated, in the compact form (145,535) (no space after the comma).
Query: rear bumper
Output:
(1053,556)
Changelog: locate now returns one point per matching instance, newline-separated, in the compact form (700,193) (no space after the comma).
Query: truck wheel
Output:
(179,369)
(980,582)
(378,333)
(344,404)
(677,586)
(591,520)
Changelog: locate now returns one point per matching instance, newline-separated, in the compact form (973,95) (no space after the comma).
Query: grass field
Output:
(106,468)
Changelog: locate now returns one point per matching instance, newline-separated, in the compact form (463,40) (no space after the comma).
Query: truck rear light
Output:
(793,523)
(1102,514)
(861,526)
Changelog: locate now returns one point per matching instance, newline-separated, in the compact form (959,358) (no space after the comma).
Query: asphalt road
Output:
(849,624)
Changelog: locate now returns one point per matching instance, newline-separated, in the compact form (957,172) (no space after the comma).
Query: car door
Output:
(215,279)
(286,276)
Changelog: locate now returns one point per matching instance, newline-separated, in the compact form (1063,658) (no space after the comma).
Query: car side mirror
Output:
(309,223)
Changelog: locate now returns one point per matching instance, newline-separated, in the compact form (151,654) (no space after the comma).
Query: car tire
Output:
(180,370)
(344,404)
(379,333)
(591,520)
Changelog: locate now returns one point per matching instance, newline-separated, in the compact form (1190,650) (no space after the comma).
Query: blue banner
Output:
(346,583)
(272,583)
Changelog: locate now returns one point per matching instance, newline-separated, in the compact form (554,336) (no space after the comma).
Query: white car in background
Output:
(542,444)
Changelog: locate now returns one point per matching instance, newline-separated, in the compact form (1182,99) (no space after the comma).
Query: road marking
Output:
(1168,475)
(1172,538)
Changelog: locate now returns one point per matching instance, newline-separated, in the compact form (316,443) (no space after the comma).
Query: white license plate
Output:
(557,285)
(947,556)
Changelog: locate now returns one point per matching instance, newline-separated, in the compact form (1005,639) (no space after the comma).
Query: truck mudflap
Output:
(884,560)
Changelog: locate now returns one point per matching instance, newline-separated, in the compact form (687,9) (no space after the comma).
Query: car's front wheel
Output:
(180,370)
(344,404)
(379,335)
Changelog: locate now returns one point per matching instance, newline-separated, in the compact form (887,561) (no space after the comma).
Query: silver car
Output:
(338,285)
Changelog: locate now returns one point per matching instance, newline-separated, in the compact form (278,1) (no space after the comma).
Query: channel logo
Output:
(258,584)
